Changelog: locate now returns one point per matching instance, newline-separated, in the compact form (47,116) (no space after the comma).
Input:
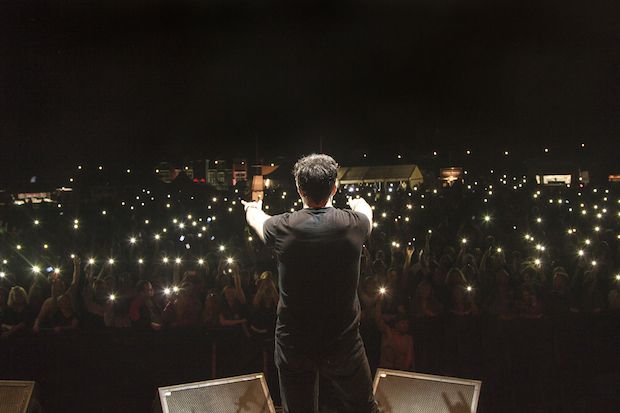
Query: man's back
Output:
(318,251)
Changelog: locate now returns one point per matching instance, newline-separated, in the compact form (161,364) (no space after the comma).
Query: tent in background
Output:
(410,174)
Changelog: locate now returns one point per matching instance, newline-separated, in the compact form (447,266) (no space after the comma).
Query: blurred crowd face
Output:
(470,272)
(58,287)
(458,295)
(439,277)
(527,296)
(110,283)
(424,290)
(17,297)
(100,290)
(371,286)
(502,278)
(402,326)
(469,259)
(186,291)
(64,304)
(230,295)
(492,264)
(560,282)
(455,277)
(445,262)
(526,276)
(500,258)
(148,290)
(211,303)
(392,276)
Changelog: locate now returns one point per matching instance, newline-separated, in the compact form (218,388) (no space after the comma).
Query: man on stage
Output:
(318,249)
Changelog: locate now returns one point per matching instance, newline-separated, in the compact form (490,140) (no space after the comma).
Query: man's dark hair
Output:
(315,176)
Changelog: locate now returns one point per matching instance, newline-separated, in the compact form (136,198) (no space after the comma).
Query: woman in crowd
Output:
(264,306)
(50,306)
(184,310)
(500,301)
(143,311)
(396,342)
(425,302)
(64,318)
(394,302)
(528,305)
(17,316)
(559,299)
(233,310)
(96,302)
(591,298)
(210,314)
(462,300)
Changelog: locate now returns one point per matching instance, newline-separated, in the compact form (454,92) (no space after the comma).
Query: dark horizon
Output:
(138,82)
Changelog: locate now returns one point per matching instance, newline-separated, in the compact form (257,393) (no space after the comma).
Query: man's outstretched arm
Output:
(360,205)
(255,216)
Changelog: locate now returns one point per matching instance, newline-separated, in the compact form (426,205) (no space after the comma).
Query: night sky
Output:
(139,82)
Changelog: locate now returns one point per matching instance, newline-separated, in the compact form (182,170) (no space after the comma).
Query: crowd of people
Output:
(492,245)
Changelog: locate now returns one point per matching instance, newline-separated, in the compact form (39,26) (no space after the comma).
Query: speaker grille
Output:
(410,392)
(235,395)
(15,396)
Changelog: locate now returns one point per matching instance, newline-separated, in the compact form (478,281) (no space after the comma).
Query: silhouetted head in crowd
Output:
(370,286)
(191,277)
(100,290)
(450,252)
(186,291)
(458,295)
(500,258)
(315,177)
(489,241)
(424,290)
(58,287)
(145,289)
(470,272)
(65,305)
(492,263)
(211,302)
(401,323)
(469,259)
(230,295)
(110,283)
(445,262)
(392,276)
(477,254)
(502,279)
(17,298)
(528,275)
(455,277)
(560,279)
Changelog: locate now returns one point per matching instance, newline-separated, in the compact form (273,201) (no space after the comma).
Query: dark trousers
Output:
(342,371)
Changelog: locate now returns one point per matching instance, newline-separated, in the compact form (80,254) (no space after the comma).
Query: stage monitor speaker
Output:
(18,397)
(400,391)
(248,394)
